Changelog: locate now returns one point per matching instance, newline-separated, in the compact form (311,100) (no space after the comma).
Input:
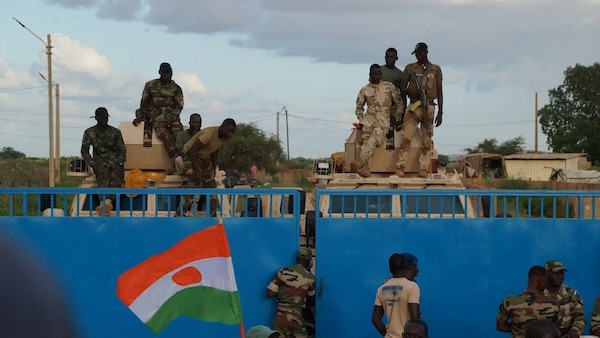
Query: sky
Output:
(255,60)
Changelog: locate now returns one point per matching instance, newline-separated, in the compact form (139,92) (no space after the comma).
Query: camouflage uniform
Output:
(525,308)
(415,114)
(596,317)
(181,138)
(108,153)
(209,137)
(570,314)
(383,103)
(161,105)
(293,285)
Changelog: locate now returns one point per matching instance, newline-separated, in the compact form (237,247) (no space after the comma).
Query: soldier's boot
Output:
(423,173)
(105,208)
(363,169)
(400,171)
(214,207)
(172,169)
(352,167)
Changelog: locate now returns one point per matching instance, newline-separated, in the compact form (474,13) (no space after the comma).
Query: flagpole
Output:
(242,332)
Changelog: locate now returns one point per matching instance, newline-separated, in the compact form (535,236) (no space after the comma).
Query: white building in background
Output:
(538,167)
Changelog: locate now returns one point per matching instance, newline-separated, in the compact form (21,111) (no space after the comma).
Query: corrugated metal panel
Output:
(533,170)
(537,156)
(538,169)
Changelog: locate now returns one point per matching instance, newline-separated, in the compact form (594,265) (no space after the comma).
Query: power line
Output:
(20,89)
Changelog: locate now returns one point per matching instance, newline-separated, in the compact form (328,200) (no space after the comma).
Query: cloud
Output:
(461,33)
(73,56)
(10,79)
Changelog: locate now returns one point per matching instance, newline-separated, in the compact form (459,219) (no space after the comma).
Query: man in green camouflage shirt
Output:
(596,318)
(161,105)
(294,286)
(108,151)
(181,138)
(571,318)
(516,312)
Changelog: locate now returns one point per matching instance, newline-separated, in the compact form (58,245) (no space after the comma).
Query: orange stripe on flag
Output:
(206,243)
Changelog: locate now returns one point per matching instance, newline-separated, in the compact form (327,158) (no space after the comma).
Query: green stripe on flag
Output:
(203,303)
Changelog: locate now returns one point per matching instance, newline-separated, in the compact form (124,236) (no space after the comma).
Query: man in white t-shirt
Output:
(398,298)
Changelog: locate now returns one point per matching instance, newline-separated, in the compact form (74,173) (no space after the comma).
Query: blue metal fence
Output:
(474,248)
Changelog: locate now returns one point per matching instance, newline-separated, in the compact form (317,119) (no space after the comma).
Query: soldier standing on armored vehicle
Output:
(161,105)
(381,98)
(108,153)
(424,87)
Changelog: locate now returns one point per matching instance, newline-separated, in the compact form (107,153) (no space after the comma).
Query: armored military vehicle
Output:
(147,166)
(327,174)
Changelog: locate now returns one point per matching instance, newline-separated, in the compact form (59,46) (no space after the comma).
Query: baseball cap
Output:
(420,47)
(409,259)
(165,66)
(554,266)
(304,253)
(261,331)
(100,113)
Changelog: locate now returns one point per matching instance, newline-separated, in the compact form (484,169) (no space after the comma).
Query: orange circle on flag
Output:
(187,276)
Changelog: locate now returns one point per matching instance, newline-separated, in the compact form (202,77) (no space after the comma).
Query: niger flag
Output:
(193,278)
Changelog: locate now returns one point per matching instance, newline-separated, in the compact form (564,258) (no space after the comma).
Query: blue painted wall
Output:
(88,255)
(467,266)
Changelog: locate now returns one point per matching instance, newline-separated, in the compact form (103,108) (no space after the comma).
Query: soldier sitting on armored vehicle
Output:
(381,98)
(161,105)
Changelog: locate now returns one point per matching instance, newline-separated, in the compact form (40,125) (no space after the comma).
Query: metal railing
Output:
(284,202)
(471,204)
(149,202)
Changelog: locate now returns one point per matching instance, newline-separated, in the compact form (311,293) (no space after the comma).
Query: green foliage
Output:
(526,206)
(300,163)
(443,158)
(491,146)
(571,119)
(10,153)
(250,146)
(13,204)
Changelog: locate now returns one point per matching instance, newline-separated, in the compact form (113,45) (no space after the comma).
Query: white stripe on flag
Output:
(217,272)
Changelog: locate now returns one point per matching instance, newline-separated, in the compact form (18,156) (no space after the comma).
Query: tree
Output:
(571,119)
(491,146)
(250,146)
(10,153)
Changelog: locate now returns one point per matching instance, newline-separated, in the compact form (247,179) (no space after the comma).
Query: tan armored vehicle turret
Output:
(147,166)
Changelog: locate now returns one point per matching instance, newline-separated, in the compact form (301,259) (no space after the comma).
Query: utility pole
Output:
(287,133)
(277,133)
(536,122)
(57,138)
(48,44)
(277,127)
